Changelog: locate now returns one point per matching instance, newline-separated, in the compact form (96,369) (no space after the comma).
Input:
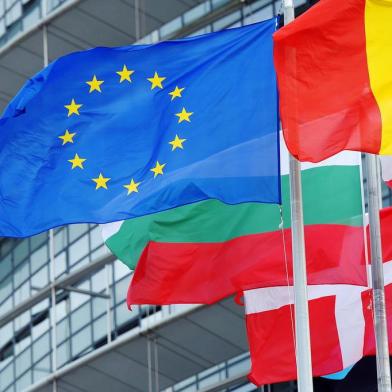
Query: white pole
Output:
(53,321)
(380,320)
(301,311)
(108,305)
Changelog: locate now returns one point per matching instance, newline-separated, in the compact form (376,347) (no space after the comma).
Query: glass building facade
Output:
(92,311)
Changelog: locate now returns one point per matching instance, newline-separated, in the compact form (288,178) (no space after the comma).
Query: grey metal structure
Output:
(94,343)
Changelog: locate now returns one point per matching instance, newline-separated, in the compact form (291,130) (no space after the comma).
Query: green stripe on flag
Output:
(331,194)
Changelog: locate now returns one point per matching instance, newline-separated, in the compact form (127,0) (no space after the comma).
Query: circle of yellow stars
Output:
(95,86)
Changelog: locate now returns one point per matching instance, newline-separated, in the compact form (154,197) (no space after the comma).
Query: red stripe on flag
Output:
(170,273)
(326,101)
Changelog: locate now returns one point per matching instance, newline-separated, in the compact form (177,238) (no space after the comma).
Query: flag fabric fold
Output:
(204,252)
(113,133)
(333,67)
(341,323)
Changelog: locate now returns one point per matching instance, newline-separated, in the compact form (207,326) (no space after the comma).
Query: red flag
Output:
(341,323)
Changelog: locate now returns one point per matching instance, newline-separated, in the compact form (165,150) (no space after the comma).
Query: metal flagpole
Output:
(301,311)
(45,51)
(380,320)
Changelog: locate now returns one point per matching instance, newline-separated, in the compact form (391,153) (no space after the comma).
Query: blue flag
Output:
(114,133)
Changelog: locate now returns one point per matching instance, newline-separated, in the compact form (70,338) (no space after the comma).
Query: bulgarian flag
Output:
(341,324)
(386,168)
(203,252)
(335,82)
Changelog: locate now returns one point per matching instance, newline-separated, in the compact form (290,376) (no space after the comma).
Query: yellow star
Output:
(67,137)
(77,161)
(158,169)
(177,143)
(156,81)
(125,74)
(184,115)
(176,92)
(132,187)
(101,181)
(73,108)
(95,85)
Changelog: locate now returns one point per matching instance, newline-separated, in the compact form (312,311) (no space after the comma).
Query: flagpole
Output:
(301,311)
(380,320)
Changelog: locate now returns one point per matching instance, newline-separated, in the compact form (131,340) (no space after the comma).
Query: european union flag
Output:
(114,133)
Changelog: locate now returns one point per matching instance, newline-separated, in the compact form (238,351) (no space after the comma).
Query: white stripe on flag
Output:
(350,322)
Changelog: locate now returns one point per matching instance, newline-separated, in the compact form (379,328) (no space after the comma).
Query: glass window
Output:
(23,362)
(61,264)
(41,278)
(99,306)
(5,266)
(80,317)
(75,231)
(41,369)
(40,329)
(61,310)
(98,281)
(78,250)
(22,344)
(204,30)
(6,333)
(96,237)
(39,258)
(100,328)
(226,21)
(62,330)
(81,341)
(5,289)
(121,270)
(7,245)
(43,305)
(21,251)
(6,306)
(7,375)
(196,12)
(41,346)
(24,381)
(38,240)
(77,299)
(60,239)
(13,14)
(21,274)
(120,290)
(103,250)
(22,293)
(30,19)
(63,354)
(170,27)
(263,14)
(218,3)
(123,314)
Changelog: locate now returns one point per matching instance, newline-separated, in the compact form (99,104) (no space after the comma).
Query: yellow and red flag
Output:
(334,67)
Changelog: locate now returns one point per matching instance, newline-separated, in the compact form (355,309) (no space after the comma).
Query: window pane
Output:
(39,258)
(41,278)
(5,289)
(76,231)
(23,362)
(80,317)
(5,266)
(21,251)
(41,347)
(81,341)
(78,250)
